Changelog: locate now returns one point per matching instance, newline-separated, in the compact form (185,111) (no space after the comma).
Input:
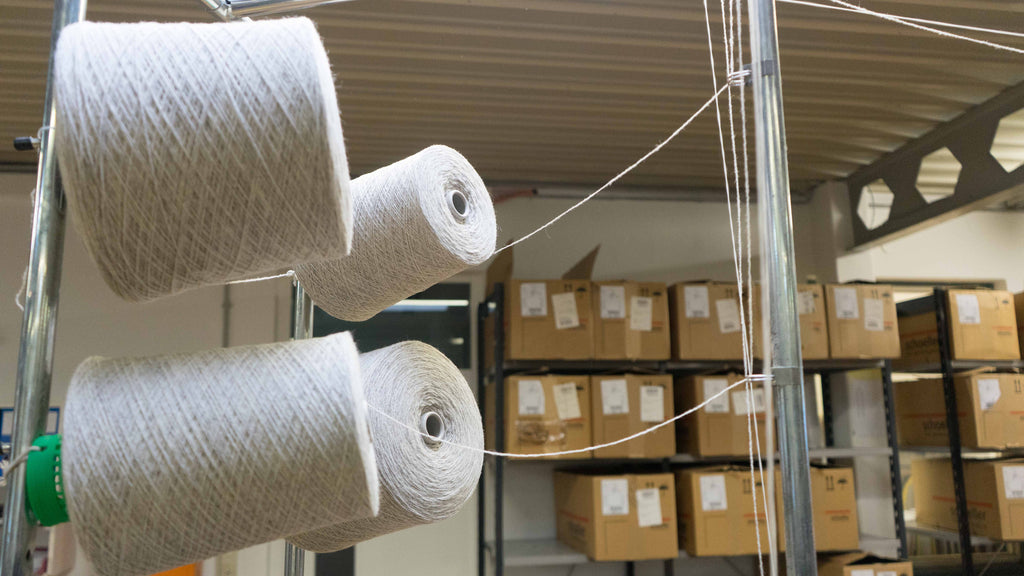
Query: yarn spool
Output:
(197,154)
(173,459)
(418,221)
(422,480)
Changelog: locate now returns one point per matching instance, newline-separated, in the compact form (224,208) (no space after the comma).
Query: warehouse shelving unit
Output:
(550,552)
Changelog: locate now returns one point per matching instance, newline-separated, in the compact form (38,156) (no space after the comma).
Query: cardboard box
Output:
(544,414)
(721,427)
(705,321)
(810,299)
(716,512)
(835,509)
(544,319)
(617,517)
(990,406)
(982,326)
(623,405)
(862,564)
(995,496)
(861,321)
(631,320)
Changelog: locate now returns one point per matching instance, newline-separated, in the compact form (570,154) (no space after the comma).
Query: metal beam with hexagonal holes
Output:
(974,160)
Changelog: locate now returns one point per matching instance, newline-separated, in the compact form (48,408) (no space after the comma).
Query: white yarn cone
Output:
(417,222)
(422,481)
(197,154)
(174,459)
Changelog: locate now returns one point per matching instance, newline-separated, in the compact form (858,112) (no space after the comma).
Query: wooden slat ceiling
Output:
(572,91)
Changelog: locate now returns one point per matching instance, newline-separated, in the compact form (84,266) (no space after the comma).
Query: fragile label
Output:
(874,315)
(712,387)
(846,303)
(728,315)
(640,308)
(565,311)
(805,303)
(533,299)
(648,507)
(1013,482)
(652,404)
(712,493)
(988,392)
(742,403)
(613,302)
(614,497)
(566,401)
(967,309)
(862,572)
(698,303)
(614,397)
(531,398)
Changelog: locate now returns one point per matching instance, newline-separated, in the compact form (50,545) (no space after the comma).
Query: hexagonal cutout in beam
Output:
(938,175)
(1008,144)
(875,204)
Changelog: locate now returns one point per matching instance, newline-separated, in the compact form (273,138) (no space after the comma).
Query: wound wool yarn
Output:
(417,222)
(197,154)
(173,459)
(421,480)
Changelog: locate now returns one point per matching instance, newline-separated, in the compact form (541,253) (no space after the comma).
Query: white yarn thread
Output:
(173,459)
(422,480)
(407,236)
(196,154)
(912,19)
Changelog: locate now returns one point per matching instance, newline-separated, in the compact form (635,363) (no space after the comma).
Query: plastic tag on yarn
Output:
(862,572)
(648,507)
(874,315)
(968,311)
(719,405)
(533,299)
(805,303)
(614,497)
(728,315)
(712,493)
(565,311)
(697,301)
(741,406)
(846,303)
(988,392)
(566,401)
(613,302)
(614,397)
(640,308)
(652,404)
(531,398)
(1013,482)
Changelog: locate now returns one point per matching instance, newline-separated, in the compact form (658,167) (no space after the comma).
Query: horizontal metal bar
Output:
(241,8)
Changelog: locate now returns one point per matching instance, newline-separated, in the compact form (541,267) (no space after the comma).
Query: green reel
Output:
(44,482)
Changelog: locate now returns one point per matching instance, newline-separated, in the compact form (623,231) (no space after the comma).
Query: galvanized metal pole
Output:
(778,273)
(302,328)
(35,356)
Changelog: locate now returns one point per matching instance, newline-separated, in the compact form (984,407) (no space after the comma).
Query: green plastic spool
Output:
(44,482)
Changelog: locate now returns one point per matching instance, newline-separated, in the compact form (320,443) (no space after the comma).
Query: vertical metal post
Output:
(302,328)
(499,429)
(481,391)
(895,474)
(778,274)
(38,329)
(827,416)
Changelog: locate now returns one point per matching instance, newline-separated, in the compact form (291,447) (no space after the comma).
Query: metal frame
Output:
(895,473)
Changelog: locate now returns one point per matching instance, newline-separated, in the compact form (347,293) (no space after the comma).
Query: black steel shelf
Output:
(677,366)
(962,366)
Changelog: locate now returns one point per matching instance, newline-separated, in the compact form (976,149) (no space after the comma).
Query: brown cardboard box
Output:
(617,517)
(544,414)
(631,320)
(813,321)
(861,321)
(861,564)
(716,512)
(720,428)
(705,321)
(1018,307)
(835,509)
(544,319)
(995,496)
(991,411)
(625,404)
(982,326)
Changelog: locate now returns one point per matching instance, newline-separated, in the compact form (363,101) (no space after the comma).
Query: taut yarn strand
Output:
(422,480)
(417,222)
(173,459)
(196,154)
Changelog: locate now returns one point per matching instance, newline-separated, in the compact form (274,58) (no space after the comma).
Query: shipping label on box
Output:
(622,405)
(544,414)
(706,323)
(631,321)
(721,428)
(862,321)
